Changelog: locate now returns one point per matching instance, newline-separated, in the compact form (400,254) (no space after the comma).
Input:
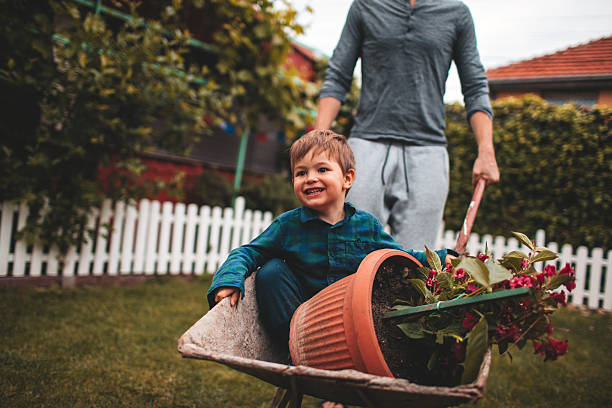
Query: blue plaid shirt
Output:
(317,252)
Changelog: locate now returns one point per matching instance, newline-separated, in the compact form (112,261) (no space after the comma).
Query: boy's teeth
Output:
(314,190)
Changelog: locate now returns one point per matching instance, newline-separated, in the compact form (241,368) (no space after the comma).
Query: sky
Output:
(506,31)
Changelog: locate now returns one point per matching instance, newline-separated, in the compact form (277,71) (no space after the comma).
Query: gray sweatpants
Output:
(403,186)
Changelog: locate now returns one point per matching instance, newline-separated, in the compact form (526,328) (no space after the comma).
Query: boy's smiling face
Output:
(320,184)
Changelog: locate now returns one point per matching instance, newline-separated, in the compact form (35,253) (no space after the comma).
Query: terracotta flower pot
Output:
(334,330)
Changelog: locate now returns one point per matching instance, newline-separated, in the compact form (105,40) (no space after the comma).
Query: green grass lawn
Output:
(98,347)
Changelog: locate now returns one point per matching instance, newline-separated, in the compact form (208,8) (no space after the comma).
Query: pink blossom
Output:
(470,321)
(432,273)
(471,288)
(541,277)
(550,271)
(524,263)
(459,273)
(431,282)
(483,257)
(522,281)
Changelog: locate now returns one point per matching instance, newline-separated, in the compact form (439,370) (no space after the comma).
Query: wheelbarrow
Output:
(234,336)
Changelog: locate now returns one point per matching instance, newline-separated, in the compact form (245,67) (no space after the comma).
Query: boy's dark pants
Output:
(279,293)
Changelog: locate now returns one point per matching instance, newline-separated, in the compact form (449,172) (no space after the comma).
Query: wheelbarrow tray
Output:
(235,337)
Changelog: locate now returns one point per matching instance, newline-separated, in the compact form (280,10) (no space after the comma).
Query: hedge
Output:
(555,164)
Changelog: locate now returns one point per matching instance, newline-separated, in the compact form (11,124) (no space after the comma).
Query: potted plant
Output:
(433,326)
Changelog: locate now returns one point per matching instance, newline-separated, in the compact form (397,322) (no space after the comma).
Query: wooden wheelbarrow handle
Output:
(470,216)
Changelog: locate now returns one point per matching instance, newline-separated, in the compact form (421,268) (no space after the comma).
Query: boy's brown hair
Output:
(334,144)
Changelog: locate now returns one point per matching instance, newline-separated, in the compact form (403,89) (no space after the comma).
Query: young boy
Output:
(308,248)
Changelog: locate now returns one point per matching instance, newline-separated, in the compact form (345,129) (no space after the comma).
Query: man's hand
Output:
(485,165)
(228,291)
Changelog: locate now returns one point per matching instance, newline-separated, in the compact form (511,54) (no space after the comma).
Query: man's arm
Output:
(485,165)
(327,112)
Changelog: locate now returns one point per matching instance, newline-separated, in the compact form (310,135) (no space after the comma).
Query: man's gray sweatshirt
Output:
(405,58)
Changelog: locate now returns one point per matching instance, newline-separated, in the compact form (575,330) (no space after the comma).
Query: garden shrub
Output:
(211,188)
(555,164)
(273,193)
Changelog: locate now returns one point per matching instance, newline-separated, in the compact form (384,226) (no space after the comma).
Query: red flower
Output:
(431,282)
(483,257)
(559,298)
(524,304)
(470,321)
(432,273)
(524,263)
(541,277)
(550,271)
(571,285)
(567,270)
(458,351)
(559,346)
(550,348)
(459,273)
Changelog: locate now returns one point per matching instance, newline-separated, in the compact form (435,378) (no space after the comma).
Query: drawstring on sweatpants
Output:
(405,169)
(382,173)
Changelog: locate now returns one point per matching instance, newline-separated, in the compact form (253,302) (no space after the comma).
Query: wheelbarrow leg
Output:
(284,396)
(279,397)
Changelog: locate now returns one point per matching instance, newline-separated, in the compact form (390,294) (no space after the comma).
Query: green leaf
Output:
(478,342)
(545,255)
(412,330)
(558,280)
(524,239)
(497,273)
(420,286)
(476,269)
(433,259)
(445,280)
(511,263)
(516,254)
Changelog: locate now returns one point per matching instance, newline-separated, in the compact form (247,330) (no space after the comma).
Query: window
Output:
(579,98)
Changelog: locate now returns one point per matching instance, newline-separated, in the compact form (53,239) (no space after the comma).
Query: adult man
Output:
(406,49)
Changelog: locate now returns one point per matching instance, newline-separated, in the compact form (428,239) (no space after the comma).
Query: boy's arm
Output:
(243,260)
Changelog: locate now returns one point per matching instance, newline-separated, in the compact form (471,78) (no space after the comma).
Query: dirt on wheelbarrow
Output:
(408,358)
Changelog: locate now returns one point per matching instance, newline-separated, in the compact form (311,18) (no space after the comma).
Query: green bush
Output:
(273,193)
(212,189)
(556,171)
(84,91)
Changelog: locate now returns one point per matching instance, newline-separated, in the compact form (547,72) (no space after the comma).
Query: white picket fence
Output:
(166,238)
(155,238)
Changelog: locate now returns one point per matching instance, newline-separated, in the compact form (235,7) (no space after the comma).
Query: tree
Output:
(84,90)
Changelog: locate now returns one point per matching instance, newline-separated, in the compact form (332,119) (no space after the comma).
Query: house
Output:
(580,74)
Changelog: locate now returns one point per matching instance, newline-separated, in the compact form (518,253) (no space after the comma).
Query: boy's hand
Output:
(449,258)
(227,291)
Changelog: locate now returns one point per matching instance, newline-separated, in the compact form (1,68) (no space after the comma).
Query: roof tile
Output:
(593,58)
